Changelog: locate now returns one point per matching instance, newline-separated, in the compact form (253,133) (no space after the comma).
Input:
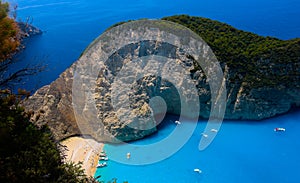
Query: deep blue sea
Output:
(69,26)
(242,152)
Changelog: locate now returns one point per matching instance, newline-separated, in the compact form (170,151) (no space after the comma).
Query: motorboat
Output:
(100,165)
(102,155)
(104,158)
(177,122)
(214,130)
(197,170)
(128,155)
(204,135)
(279,129)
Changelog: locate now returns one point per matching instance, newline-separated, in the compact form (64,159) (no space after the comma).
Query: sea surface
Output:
(243,151)
(71,25)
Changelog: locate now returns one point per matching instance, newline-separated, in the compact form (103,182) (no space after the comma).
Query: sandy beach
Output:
(83,150)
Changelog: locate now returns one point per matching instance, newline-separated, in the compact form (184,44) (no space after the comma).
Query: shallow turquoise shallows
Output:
(248,152)
(242,152)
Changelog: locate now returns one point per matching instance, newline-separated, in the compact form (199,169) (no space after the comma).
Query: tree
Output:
(256,60)
(8,33)
(10,39)
(29,153)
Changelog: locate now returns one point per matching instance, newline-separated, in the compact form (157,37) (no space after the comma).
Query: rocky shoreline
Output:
(26,31)
(246,99)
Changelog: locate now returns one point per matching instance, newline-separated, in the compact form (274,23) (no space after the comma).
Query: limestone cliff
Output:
(253,93)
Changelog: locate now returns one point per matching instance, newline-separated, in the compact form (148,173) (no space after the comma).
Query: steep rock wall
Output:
(247,99)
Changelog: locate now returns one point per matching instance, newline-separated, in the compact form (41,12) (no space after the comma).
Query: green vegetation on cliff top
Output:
(259,61)
(254,60)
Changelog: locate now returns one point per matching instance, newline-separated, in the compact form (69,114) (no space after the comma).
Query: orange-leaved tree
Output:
(8,33)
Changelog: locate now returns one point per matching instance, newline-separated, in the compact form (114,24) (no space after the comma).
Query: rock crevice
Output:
(53,105)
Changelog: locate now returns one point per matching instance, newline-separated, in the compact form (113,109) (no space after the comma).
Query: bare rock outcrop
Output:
(53,105)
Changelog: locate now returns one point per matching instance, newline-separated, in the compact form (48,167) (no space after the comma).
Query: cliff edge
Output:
(262,80)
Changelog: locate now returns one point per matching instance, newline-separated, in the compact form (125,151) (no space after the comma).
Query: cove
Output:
(243,151)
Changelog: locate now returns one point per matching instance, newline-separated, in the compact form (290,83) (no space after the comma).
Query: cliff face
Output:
(249,97)
(52,105)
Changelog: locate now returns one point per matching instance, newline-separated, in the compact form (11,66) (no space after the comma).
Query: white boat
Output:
(204,135)
(104,158)
(214,130)
(279,129)
(100,165)
(128,155)
(102,154)
(197,170)
(177,122)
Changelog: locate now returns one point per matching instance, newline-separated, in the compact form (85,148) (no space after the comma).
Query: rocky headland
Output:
(25,31)
(262,80)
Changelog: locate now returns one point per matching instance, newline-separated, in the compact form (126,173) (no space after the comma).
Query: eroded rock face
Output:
(108,120)
(52,105)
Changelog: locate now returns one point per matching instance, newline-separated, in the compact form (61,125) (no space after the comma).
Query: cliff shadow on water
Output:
(262,80)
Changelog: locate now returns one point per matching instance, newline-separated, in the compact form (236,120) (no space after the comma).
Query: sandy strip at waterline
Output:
(83,150)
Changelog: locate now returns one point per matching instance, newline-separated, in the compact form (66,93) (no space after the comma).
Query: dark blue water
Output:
(71,25)
(242,152)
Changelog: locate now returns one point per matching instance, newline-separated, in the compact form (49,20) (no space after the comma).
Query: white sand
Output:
(83,150)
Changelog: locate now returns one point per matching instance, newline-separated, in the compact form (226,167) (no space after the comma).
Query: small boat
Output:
(128,155)
(100,165)
(104,158)
(177,122)
(279,129)
(197,170)
(214,130)
(102,155)
(204,135)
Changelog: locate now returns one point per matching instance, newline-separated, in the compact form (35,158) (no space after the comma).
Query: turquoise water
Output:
(248,152)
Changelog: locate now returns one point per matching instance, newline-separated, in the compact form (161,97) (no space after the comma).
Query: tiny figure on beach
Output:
(128,155)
